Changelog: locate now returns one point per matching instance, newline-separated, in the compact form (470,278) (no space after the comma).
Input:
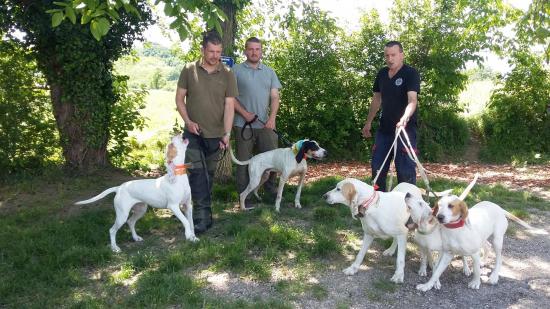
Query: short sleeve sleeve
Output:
(183,81)
(275,83)
(231,90)
(376,84)
(413,83)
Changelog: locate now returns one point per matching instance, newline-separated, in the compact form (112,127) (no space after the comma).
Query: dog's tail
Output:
(98,197)
(235,159)
(468,188)
(529,228)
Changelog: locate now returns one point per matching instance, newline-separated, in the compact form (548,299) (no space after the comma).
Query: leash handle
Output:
(387,156)
(256,118)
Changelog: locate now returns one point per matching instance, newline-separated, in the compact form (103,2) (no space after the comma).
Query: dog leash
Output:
(249,124)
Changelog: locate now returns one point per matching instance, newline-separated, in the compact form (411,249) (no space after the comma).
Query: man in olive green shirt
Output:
(205,100)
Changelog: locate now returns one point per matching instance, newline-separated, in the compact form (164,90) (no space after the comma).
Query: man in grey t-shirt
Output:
(258,96)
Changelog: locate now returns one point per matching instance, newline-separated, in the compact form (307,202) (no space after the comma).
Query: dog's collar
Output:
(370,201)
(454,225)
(180,169)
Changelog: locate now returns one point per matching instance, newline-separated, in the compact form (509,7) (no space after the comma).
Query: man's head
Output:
(211,49)
(253,50)
(393,54)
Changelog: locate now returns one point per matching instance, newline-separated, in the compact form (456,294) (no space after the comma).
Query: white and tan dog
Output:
(383,215)
(169,191)
(288,162)
(465,231)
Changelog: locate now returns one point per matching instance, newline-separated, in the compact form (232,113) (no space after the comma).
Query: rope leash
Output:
(256,118)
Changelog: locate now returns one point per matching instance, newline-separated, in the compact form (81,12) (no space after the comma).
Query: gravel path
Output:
(525,274)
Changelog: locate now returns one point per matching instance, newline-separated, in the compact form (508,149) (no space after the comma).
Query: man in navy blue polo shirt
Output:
(396,90)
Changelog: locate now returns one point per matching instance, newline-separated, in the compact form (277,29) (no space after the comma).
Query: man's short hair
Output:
(394,43)
(252,40)
(211,37)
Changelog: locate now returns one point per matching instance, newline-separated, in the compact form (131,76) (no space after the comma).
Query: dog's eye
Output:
(337,189)
(451,206)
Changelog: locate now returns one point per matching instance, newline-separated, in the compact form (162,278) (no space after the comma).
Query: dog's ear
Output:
(463,210)
(301,152)
(349,193)
(171,152)
(435,209)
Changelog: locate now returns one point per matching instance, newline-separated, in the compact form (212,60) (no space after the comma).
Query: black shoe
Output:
(202,226)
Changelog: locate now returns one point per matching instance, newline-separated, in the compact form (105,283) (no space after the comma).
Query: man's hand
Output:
(270,124)
(248,116)
(366,130)
(224,142)
(402,122)
(193,127)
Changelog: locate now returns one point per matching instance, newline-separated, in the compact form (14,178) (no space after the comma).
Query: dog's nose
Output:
(325,196)
(440,218)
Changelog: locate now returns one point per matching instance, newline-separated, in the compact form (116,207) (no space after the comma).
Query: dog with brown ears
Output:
(169,191)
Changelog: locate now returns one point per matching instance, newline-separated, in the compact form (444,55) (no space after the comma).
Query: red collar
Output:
(371,200)
(454,225)
(180,169)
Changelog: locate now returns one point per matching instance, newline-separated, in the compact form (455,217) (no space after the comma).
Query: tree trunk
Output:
(224,172)
(78,155)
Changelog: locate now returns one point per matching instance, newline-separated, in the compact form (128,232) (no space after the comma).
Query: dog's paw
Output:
(115,248)
(493,279)
(193,238)
(437,285)
(297,205)
(388,252)
(138,238)
(424,287)
(397,278)
(474,284)
(352,270)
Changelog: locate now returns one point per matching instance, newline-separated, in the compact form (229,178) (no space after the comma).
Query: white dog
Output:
(383,215)
(286,161)
(168,191)
(464,232)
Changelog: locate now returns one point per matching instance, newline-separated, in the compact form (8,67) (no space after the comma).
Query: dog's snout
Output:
(440,218)
(325,196)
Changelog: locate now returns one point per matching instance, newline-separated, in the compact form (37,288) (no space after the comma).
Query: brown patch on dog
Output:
(435,209)
(460,209)
(171,152)
(349,192)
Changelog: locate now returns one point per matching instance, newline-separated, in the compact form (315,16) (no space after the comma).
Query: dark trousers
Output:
(202,152)
(254,141)
(406,168)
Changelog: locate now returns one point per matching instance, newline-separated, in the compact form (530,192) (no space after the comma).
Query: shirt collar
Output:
(219,67)
(260,65)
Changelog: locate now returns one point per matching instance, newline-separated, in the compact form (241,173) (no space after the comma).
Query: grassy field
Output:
(55,254)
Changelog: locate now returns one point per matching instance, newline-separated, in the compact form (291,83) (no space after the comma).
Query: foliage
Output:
(125,117)
(103,15)
(315,103)
(28,141)
(78,71)
(517,122)
(157,80)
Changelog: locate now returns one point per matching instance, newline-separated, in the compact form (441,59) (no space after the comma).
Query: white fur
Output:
(485,219)
(281,160)
(384,219)
(169,191)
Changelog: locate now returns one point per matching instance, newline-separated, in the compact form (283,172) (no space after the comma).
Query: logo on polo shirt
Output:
(399,81)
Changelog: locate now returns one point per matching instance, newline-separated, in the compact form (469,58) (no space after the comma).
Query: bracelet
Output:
(227,134)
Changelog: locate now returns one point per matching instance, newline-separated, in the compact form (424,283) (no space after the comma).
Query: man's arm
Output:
(412,98)
(374,107)
(228,114)
(274,95)
(239,108)
(191,126)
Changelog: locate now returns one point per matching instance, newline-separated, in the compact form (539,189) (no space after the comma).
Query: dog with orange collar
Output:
(169,191)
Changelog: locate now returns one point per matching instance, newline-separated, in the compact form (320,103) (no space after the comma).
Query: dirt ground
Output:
(525,275)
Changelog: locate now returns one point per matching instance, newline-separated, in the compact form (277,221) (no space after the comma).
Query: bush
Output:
(516,124)
(27,126)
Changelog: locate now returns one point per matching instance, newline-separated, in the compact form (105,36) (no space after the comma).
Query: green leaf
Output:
(114,14)
(85,19)
(168,9)
(57,18)
(69,12)
(60,3)
(99,27)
